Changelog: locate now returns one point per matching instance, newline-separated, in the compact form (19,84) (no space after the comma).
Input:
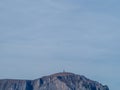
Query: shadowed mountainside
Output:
(58,81)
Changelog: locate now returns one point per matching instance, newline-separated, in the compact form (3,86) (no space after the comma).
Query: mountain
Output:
(58,81)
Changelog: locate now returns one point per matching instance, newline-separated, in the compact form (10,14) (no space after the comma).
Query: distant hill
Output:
(58,81)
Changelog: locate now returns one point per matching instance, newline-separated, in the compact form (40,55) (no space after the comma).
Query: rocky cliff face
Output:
(59,81)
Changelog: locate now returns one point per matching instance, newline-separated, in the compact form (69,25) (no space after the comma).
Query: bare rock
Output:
(58,81)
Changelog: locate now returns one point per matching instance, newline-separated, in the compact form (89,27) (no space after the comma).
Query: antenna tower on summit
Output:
(63,70)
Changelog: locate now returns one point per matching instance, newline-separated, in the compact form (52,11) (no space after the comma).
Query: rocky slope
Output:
(58,81)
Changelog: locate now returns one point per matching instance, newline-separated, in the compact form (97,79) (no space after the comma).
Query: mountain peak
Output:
(57,81)
(62,74)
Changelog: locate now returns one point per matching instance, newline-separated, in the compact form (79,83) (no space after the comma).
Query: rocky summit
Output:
(58,81)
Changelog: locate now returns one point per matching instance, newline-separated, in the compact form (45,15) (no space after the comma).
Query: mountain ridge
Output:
(57,81)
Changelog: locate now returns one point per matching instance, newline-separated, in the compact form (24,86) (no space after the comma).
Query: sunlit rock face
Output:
(58,81)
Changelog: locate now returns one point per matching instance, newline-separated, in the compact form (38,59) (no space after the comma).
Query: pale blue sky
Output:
(41,37)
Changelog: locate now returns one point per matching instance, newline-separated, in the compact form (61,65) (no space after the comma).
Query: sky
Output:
(42,37)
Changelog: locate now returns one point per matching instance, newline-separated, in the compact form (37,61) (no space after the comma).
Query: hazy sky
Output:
(41,37)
